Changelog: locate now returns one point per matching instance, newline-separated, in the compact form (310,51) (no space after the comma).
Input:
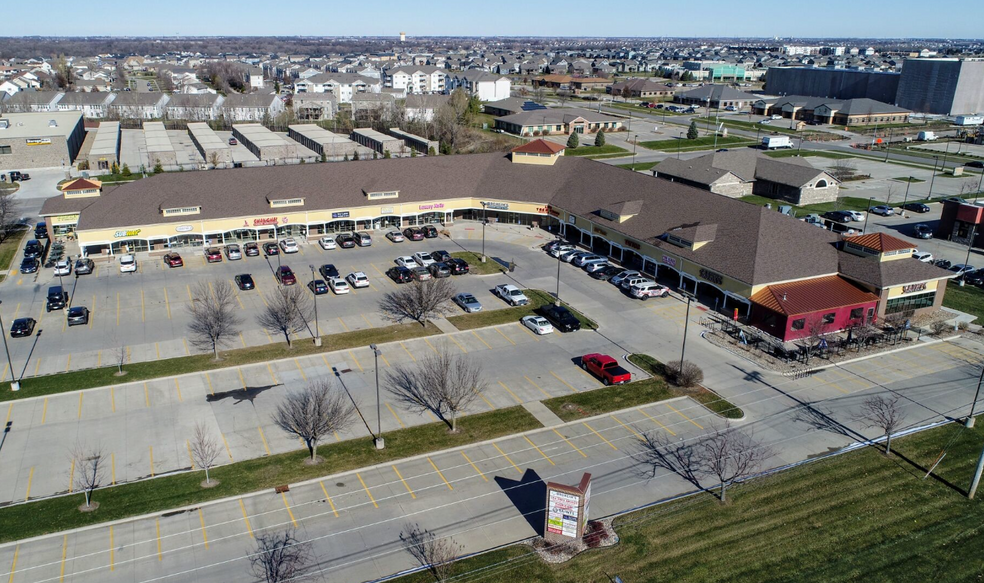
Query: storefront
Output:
(811,308)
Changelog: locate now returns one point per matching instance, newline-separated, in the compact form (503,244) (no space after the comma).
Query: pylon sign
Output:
(567,510)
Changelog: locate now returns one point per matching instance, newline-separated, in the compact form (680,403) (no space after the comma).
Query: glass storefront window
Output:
(340,227)
(909,303)
(130,246)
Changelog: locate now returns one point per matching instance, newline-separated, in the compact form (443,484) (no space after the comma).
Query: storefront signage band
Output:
(669,261)
(601,231)
(64,219)
(427,207)
(497,206)
(633,244)
(708,275)
(265,222)
(340,215)
(913,288)
(130,233)
(38,141)
(183,228)
(386,210)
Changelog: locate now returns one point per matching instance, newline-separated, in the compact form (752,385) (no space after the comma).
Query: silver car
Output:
(468,303)
(233,252)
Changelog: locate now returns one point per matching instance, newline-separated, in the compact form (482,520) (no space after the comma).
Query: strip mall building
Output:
(779,273)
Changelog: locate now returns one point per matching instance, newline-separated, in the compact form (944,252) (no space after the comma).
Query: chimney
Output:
(783,296)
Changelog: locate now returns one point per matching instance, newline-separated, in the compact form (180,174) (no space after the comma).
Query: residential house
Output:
(93,105)
(558,121)
(642,88)
(342,85)
(254,76)
(193,107)
(315,106)
(423,107)
(417,79)
(30,101)
(372,106)
(240,107)
(482,84)
(134,105)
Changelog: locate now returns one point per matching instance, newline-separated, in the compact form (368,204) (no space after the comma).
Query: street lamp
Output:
(686,324)
(973,405)
(634,144)
(317,328)
(378,440)
(905,197)
(485,219)
(557,302)
(932,178)
(14,383)
(867,212)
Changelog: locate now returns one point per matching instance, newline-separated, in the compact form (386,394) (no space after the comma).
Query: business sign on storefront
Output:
(708,275)
(633,244)
(183,228)
(427,207)
(130,233)
(65,219)
(671,261)
(38,141)
(914,288)
(340,215)
(386,210)
(562,513)
(497,206)
(264,222)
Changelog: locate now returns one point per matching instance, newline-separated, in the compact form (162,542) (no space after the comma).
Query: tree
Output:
(279,556)
(387,155)
(9,213)
(158,167)
(276,87)
(692,130)
(730,455)
(685,373)
(88,471)
(842,170)
(125,171)
(287,311)
(437,555)
(445,385)
(419,301)
(204,450)
(213,158)
(120,355)
(213,318)
(863,333)
(600,138)
(816,329)
(318,410)
(573,141)
(883,413)
(355,155)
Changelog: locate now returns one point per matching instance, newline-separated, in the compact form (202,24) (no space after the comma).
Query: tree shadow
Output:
(922,471)
(529,496)
(239,395)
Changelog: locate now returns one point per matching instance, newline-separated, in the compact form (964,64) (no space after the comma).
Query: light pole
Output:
(317,328)
(867,212)
(485,219)
(973,405)
(635,143)
(14,383)
(980,183)
(932,178)
(557,302)
(686,324)
(905,197)
(380,444)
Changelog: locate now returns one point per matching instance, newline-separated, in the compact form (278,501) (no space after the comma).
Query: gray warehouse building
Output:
(323,142)
(213,149)
(943,86)
(834,83)
(40,140)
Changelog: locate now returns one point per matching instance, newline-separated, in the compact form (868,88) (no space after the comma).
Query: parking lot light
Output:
(14,383)
(485,219)
(378,439)
(317,329)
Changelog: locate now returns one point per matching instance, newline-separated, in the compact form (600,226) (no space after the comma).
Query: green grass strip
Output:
(538,299)
(702,395)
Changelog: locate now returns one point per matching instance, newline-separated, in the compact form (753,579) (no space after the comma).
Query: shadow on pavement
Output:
(239,395)
(528,495)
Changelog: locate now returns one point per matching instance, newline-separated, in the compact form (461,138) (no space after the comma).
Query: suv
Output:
(63,267)
(457,265)
(285,276)
(33,249)
(172,260)
(363,239)
(399,274)
(839,216)
(78,315)
(22,327)
(128,264)
(345,241)
(624,274)
(628,282)
(561,318)
(430,232)
(251,249)
(649,289)
(57,298)
(84,266)
(511,294)
(439,270)
(413,234)
(213,255)
(233,253)
(441,256)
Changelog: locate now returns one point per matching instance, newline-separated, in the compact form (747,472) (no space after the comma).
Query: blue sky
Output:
(725,18)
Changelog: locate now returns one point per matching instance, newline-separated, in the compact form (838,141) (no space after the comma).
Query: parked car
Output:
(245,281)
(922,231)
(395,236)
(856,215)
(328,271)
(839,216)
(883,210)
(605,368)
(172,260)
(213,255)
(41,230)
(84,266)
(942,263)
(439,270)
(286,276)
(128,264)
(270,249)
(593,266)
(916,207)
(63,267)
(962,268)
(420,273)
(559,250)
(29,265)
(363,239)
(399,274)
(607,272)
(511,294)
(78,316)
(338,286)
(233,252)
(765,121)
(561,318)
(975,164)
(573,255)
(33,249)
(251,249)
(468,302)
(955,199)
(233,142)
(56,299)
(318,286)
(22,327)
(358,279)
(289,245)
(430,231)
(649,289)
(407,261)
(551,245)
(628,282)
(423,258)
(413,233)
(923,256)
(441,256)
(538,324)
(345,241)
(327,243)
(974,277)
(458,266)
(624,274)
(580,260)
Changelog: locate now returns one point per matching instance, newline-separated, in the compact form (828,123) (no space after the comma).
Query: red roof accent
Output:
(540,146)
(881,242)
(811,295)
(81,184)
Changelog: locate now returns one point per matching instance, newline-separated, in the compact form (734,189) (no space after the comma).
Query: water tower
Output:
(403,37)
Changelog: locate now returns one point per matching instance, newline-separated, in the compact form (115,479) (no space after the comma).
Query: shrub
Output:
(692,131)
(573,141)
(158,167)
(685,374)
(125,171)
(600,138)
(941,327)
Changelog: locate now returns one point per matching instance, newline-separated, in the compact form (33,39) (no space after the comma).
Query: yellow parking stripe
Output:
(289,511)
(408,352)
(143,308)
(61,576)
(487,402)
(157,523)
(634,432)
(328,498)
(530,332)
(518,400)
(13,566)
(301,370)
(467,459)
(209,381)
(201,518)
(684,416)
(80,404)
(433,465)
(576,448)
(368,323)
(563,381)
(112,467)
(272,376)
(343,324)
(228,451)
(545,394)
(356,360)
(600,436)
(44,410)
(395,416)
(151,461)
(10,409)
(451,338)
(246,518)
(263,437)
(431,346)
(482,340)
(71,477)
(30,478)
(366,488)
(508,459)
(405,485)
(540,451)
(177,387)
(112,551)
(167,304)
(146,395)
(191,458)
(242,379)
(506,337)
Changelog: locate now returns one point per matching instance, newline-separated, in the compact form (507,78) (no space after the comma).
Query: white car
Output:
(619,277)
(407,261)
(580,260)
(648,289)
(423,258)
(233,252)
(924,256)
(856,215)
(358,279)
(289,245)
(561,249)
(338,285)
(395,236)
(596,266)
(538,324)
(327,243)
(63,267)
(593,261)
(128,264)
(511,294)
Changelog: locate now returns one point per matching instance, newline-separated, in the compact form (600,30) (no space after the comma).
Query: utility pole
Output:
(867,212)
(973,405)
(906,196)
(977,476)
(635,143)
(317,329)
(932,178)
(686,324)
(557,302)
(380,444)
(485,219)
(14,383)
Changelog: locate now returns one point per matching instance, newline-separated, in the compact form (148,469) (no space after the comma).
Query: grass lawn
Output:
(807,153)
(849,203)
(9,248)
(705,397)
(141,371)
(56,514)
(855,517)
(595,150)
(697,144)
(537,299)
(475,264)
(635,107)
(639,166)
(968,299)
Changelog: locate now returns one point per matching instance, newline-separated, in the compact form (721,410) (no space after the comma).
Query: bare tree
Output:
(88,471)
(680,457)
(863,334)
(730,454)
(279,556)
(204,449)
(213,318)
(445,385)
(213,158)
(288,310)
(120,355)
(9,213)
(318,410)
(419,301)
(684,374)
(843,170)
(883,413)
(437,555)
(816,329)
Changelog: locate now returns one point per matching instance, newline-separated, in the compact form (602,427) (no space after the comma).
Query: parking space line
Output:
(366,488)
(634,432)
(92,313)
(243,340)
(431,346)
(13,566)
(301,370)
(246,518)
(228,451)
(395,416)
(545,394)
(263,437)
(6,369)
(112,399)
(563,381)
(30,478)
(178,388)
(482,340)
(61,575)
(265,304)
(157,347)
(587,374)
(151,461)
(112,466)
(68,364)
(357,363)
(684,416)
(408,352)
(157,523)
(167,303)
(467,459)
(185,342)
(242,379)
(191,458)
(530,332)
(405,485)
(201,518)
(600,436)
(143,307)
(44,411)
(272,376)
(112,551)
(99,354)
(386,362)
(37,365)
(506,337)
(451,338)
(540,451)
(209,381)
(508,459)
(118,308)
(342,322)
(368,323)
(289,511)
(146,395)
(10,409)
(328,498)
(518,400)
(80,404)
(439,473)
(487,402)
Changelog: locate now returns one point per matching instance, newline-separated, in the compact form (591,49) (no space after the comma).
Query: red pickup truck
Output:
(606,368)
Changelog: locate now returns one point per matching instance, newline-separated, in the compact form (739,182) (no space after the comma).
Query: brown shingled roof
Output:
(81,184)
(811,295)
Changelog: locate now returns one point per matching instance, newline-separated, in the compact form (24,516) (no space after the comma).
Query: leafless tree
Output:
(684,374)
(680,457)
(9,213)
(213,159)
(435,554)
(120,355)
(205,449)
(885,413)
(816,329)
(863,333)
(213,318)
(453,117)
(445,384)
(279,556)
(419,301)
(88,470)
(318,410)
(730,454)
(288,310)
(941,327)
(842,170)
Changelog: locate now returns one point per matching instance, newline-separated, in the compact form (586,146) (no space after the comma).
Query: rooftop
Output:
(814,295)
(46,123)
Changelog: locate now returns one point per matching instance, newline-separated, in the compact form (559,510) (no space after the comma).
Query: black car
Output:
(271,248)
(41,230)
(838,216)
(345,241)
(33,249)
(606,273)
(457,266)
(561,318)
(922,231)
(399,274)
(975,164)
(78,316)
(57,298)
(439,270)
(916,207)
(974,277)
(955,199)
(430,231)
(84,266)
(328,271)
(318,286)
(245,281)
(22,327)
(441,256)
(942,263)
(29,265)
